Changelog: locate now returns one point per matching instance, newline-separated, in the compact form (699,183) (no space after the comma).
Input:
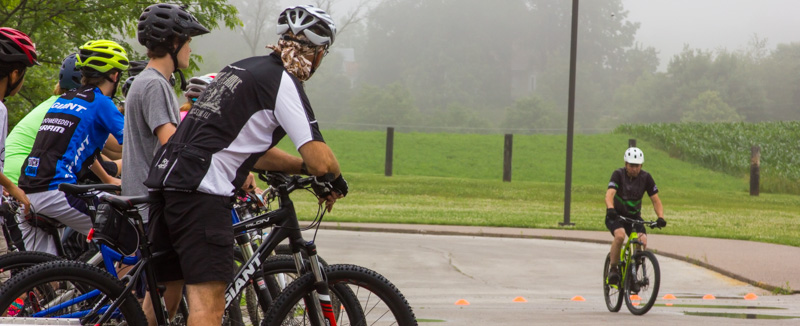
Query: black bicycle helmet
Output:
(160,22)
(136,67)
(127,85)
(69,77)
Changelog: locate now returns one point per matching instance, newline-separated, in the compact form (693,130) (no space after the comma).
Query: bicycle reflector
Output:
(113,229)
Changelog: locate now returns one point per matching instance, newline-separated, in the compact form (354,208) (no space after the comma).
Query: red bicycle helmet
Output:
(17,47)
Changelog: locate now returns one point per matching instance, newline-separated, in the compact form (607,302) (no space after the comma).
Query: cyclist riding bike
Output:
(232,128)
(72,134)
(624,198)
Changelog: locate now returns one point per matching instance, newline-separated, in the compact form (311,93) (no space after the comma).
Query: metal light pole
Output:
(571,114)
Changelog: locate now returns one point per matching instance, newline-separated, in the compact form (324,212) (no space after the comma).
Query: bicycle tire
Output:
(379,300)
(14,262)
(279,272)
(612,293)
(642,283)
(272,266)
(60,279)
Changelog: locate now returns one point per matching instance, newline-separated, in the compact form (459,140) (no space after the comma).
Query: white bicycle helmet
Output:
(310,21)
(634,155)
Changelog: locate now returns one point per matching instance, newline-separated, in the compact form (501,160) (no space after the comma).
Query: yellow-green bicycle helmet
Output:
(102,55)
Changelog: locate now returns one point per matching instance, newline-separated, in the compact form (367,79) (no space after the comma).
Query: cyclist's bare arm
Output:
(319,158)
(15,192)
(657,205)
(610,197)
(164,132)
(112,148)
(278,160)
(101,173)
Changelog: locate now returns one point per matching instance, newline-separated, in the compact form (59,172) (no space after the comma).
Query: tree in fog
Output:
(258,22)
(486,54)
(709,107)
(702,85)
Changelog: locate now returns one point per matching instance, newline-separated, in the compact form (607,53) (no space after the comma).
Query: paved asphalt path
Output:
(435,271)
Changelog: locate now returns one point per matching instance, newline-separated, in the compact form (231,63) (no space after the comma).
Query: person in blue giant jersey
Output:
(71,135)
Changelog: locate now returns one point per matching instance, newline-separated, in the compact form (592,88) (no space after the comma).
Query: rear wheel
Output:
(612,292)
(642,282)
(14,262)
(70,290)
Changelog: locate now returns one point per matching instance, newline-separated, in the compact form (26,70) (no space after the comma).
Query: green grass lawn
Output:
(456,179)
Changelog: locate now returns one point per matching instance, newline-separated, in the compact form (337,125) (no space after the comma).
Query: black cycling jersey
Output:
(249,107)
(628,200)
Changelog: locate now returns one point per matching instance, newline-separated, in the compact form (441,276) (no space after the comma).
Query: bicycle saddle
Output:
(74,189)
(125,203)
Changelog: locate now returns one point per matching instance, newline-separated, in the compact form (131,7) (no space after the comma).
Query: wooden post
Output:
(631,143)
(509,142)
(755,170)
(389,150)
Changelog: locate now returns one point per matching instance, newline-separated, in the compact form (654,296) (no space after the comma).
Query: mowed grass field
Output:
(457,179)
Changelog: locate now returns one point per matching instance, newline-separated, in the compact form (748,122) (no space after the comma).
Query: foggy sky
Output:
(710,24)
(666,25)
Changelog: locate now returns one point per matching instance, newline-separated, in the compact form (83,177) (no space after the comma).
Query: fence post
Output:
(509,142)
(755,170)
(631,142)
(389,150)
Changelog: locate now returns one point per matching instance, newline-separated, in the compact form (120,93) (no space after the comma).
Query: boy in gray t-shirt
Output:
(150,104)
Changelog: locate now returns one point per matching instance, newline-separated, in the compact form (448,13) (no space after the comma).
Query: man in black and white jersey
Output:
(624,197)
(231,129)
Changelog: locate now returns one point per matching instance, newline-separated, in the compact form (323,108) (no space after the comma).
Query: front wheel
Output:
(68,290)
(642,282)
(378,301)
(612,292)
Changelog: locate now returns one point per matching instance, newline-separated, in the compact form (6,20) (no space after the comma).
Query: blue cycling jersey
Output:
(73,131)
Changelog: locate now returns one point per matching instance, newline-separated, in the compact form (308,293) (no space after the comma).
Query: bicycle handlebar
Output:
(651,224)
(278,180)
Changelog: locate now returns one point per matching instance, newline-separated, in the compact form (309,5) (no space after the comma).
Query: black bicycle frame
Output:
(284,225)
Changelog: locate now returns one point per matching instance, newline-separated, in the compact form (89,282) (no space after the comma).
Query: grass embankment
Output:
(456,179)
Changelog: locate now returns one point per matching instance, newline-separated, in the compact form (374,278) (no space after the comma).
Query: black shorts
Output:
(195,231)
(616,224)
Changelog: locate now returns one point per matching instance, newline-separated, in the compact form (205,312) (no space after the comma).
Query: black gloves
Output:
(611,214)
(323,185)
(340,186)
(660,222)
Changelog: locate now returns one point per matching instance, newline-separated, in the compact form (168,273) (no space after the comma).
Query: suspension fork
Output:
(262,292)
(321,297)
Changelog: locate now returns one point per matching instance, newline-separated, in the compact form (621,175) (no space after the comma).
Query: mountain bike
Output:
(640,275)
(246,205)
(96,297)
(15,260)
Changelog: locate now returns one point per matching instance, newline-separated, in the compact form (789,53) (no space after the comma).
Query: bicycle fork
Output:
(321,298)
